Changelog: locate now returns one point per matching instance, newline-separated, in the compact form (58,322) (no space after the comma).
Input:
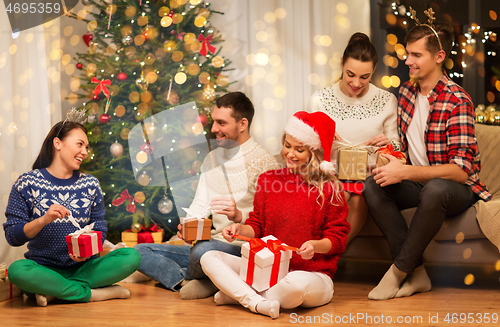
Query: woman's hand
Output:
(229,231)
(306,251)
(379,140)
(55,211)
(76,258)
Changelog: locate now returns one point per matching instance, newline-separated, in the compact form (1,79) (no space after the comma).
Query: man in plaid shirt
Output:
(436,126)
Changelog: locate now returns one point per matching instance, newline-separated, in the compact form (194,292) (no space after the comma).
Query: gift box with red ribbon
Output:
(8,290)
(85,245)
(85,242)
(389,149)
(264,261)
(153,234)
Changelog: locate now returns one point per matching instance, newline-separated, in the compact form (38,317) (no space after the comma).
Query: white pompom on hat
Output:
(316,130)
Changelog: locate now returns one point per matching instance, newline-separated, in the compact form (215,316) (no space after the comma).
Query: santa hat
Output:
(316,130)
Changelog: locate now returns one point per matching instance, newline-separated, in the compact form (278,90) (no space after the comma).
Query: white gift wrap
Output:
(263,265)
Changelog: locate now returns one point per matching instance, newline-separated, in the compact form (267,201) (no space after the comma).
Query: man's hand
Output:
(226,205)
(392,173)
(179,233)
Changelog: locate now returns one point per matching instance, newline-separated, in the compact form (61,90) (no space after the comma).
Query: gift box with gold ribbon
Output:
(352,160)
(264,261)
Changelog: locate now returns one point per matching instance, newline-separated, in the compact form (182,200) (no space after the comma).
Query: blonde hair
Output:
(314,176)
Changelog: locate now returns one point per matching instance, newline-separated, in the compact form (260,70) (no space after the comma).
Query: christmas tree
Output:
(144,58)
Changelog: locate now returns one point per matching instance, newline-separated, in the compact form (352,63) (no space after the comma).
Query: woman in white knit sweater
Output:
(363,113)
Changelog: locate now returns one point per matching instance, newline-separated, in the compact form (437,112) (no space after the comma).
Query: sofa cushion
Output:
(488,141)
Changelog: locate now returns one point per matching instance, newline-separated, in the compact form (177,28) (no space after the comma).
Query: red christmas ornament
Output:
(121,76)
(203,119)
(105,118)
(79,65)
(191,172)
(148,148)
(87,38)
(171,14)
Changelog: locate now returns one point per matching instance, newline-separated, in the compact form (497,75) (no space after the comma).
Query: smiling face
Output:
(71,150)
(421,62)
(356,77)
(225,126)
(295,153)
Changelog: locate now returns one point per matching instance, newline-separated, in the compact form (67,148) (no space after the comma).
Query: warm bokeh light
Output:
(469,279)
(493,15)
(391,19)
(392,39)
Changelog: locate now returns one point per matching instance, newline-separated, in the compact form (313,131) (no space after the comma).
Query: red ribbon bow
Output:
(145,236)
(124,197)
(389,149)
(101,86)
(205,45)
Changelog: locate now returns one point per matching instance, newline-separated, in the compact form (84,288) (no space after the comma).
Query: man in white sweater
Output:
(228,180)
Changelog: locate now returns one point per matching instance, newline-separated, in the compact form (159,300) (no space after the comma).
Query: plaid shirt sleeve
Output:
(460,137)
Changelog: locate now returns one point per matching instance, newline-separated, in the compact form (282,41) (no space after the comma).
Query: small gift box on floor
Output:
(84,242)
(8,290)
(389,149)
(264,261)
(153,234)
(196,226)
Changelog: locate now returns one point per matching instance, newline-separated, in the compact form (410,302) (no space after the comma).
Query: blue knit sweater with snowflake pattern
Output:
(32,195)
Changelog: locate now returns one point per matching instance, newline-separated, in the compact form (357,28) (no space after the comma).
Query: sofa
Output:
(469,238)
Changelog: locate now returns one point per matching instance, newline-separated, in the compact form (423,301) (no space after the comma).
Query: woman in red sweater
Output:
(302,205)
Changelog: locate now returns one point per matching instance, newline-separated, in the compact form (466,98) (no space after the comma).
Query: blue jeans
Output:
(171,264)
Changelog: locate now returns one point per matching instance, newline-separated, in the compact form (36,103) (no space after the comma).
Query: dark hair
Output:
(444,31)
(240,103)
(59,130)
(360,48)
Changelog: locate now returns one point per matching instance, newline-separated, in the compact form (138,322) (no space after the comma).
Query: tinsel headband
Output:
(429,13)
(74,115)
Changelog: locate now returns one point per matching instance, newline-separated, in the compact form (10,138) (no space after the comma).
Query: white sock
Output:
(43,300)
(221,298)
(418,281)
(389,284)
(110,292)
(268,308)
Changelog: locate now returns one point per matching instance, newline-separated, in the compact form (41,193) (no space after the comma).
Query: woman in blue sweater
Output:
(40,203)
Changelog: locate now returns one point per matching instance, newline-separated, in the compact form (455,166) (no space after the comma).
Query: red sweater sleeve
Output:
(336,226)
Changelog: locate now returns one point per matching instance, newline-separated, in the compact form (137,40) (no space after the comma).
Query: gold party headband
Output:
(429,13)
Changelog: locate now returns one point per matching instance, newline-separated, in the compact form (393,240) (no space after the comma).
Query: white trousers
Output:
(297,288)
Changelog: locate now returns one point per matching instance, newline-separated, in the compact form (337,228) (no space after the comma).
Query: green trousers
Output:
(74,283)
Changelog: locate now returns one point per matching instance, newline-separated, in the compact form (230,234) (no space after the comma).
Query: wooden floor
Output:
(151,305)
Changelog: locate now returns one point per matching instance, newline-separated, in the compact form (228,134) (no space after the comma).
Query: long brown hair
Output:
(59,130)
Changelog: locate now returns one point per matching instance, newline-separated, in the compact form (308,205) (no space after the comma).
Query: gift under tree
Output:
(144,57)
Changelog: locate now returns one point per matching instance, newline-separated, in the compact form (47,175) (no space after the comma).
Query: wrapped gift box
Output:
(389,149)
(262,265)
(85,245)
(131,239)
(352,164)
(7,290)
(196,229)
